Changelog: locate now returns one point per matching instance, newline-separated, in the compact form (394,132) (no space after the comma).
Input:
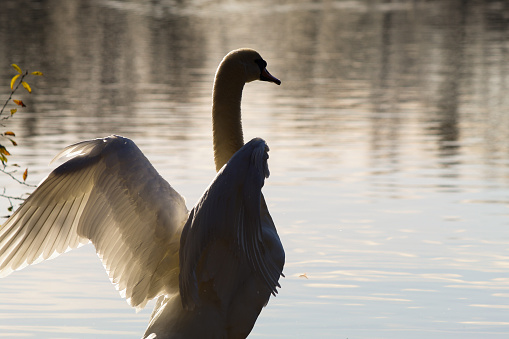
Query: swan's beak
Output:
(266,76)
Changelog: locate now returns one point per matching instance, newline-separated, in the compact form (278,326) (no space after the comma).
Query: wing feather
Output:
(228,214)
(107,193)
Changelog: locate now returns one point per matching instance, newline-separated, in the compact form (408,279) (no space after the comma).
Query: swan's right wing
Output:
(111,195)
(228,213)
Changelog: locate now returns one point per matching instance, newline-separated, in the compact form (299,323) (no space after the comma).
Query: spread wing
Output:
(228,215)
(107,193)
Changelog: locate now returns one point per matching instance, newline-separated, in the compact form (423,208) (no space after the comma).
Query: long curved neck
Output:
(226,117)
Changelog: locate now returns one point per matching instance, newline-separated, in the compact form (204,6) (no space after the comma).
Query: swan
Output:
(212,269)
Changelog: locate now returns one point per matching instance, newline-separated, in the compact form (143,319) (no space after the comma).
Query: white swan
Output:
(213,268)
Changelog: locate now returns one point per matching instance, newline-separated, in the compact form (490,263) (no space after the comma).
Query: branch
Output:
(12,92)
(10,198)
(16,179)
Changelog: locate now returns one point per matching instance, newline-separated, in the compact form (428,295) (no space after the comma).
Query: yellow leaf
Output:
(13,80)
(16,67)
(4,151)
(3,158)
(14,110)
(14,143)
(10,133)
(37,73)
(27,86)
(25,175)
(19,103)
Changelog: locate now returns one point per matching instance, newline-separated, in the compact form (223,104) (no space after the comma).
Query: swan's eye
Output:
(261,63)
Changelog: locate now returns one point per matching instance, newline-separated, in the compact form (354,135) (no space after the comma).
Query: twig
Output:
(10,96)
(16,179)
(9,197)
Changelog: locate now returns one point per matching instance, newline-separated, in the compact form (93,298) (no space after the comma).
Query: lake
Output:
(389,157)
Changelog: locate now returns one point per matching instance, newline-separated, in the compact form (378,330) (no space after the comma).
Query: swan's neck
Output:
(226,120)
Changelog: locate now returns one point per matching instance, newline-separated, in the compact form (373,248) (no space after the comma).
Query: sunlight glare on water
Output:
(389,153)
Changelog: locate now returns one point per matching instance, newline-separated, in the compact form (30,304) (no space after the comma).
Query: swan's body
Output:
(213,268)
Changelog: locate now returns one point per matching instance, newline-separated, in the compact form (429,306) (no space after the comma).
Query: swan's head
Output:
(249,64)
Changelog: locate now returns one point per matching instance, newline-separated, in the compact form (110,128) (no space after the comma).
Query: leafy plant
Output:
(16,81)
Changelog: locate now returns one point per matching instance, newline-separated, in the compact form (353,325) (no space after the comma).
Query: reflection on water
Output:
(389,152)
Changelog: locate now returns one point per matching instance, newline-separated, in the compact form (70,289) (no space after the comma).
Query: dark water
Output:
(389,152)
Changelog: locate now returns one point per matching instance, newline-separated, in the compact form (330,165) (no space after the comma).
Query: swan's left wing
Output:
(229,212)
(111,195)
